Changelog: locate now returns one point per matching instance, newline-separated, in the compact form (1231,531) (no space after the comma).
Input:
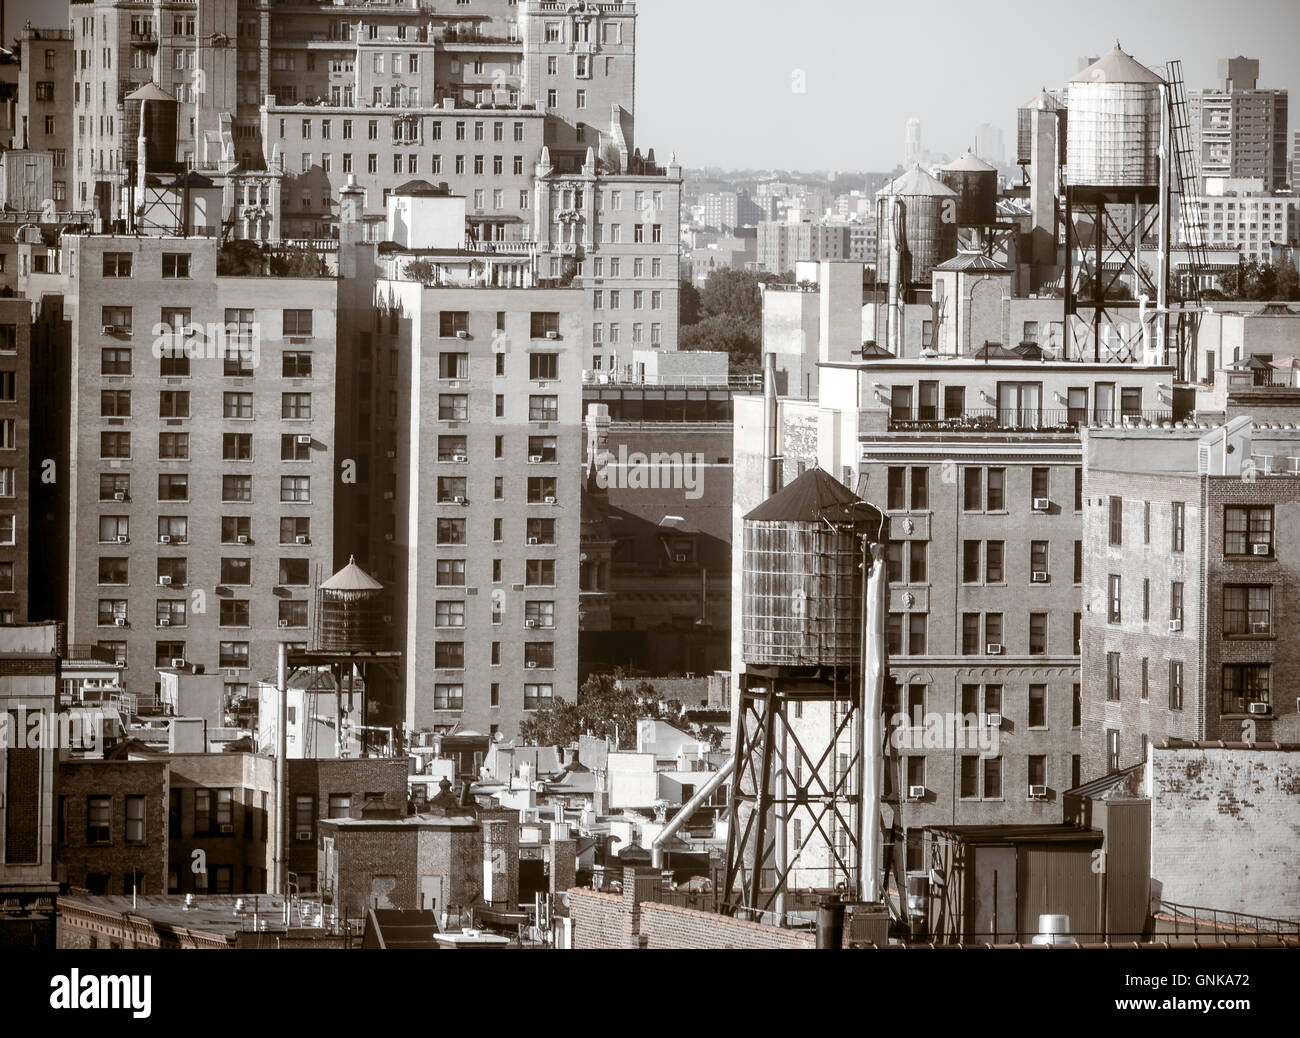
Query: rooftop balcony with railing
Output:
(1017,420)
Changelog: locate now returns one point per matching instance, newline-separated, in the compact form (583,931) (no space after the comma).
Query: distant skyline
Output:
(717,82)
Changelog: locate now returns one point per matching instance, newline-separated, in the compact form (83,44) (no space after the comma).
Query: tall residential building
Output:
(1189,580)
(912,143)
(1238,129)
(727,210)
(45,111)
(990,144)
(783,244)
(201,485)
(1241,215)
(16,469)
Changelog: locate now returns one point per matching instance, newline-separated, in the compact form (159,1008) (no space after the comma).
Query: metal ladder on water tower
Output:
(1189,186)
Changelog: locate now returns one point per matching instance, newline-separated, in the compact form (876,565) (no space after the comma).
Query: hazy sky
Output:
(716,79)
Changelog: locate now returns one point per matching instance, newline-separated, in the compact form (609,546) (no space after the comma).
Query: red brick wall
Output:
(667,926)
(600,921)
(597,919)
(1223,825)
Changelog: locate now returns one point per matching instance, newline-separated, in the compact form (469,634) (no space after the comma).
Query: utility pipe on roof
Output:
(689,808)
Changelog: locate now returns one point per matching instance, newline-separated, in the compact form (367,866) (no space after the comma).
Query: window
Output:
(112,571)
(175,265)
(296,364)
(451,573)
(451,531)
(1248,530)
(234,612)
(1113,599)
(295,488)
(916,559)
(1244,685)
(1146,522)
(1112,676)
(297,323)
(920,489)
(232,654)
(293,572)
(992,629)
(543,408)
(236,488)
(993,553)
(450,614)
(1037,634)
(236,446)
(1038,706)
(296,406)
(452,489)
(1036,772)
(1247,610)
(111,444)
(452,323)
(304,817)
(1176,601)
(117,265)
(538,697)
(1116,520)
(449,697)
(293,614)
(236,571)
(541,490)
(1177,522)
(996,496)
(539,573)
(1176,684)
(916,640)
(897,488)
(115,361)
(1038,560)
(237,405)
(173,488)
(99,820)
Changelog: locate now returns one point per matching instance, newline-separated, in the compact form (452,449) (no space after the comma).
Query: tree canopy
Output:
(1255,281)
(608,707)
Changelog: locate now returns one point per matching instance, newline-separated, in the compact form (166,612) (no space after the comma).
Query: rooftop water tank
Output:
(803,582)
(929,224)
(1114,125)
(349,611)
(976,185)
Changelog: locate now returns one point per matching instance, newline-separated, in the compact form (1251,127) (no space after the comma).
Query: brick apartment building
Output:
(16,470)
(977,466)
(1190,578)
(111,830)
(202,486)
(44,111)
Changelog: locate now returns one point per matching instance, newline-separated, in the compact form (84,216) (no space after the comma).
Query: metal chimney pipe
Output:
(281,777)
(871,752)
(893,327)
(771,439)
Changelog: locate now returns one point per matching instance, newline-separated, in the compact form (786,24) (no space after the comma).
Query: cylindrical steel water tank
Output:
(802,585)
(930,223)
(1114,126)
(160,115)
(976,185)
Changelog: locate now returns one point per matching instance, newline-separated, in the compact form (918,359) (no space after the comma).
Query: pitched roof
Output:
(974,261)
(352,578)
(916,181)
(970,163)
(813,497)
(1117,67)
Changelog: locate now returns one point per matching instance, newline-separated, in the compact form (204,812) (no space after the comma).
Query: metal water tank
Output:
(349,612)
(160,116)
(802,582)
(929,224)
(1114,126)
(976,185)
(1040,102)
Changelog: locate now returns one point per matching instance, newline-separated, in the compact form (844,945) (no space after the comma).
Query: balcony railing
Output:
(993,419)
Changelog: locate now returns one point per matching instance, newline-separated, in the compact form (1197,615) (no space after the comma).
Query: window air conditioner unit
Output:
(535,458)
(241,538)
(550,500)
(388,495)
(178,662)
(1038,792)
(110,329)
(681,557)
(227,828)
(119,495)
(552,335)
(915,792)
(388,619)
(165,581)
(993,720)
(119,621)
(164,538)
(457,500)
(993,649)
(1260,627)
(462,334)
(302,538)
(1259,549)
(303,440)
(533,541)
(391,455)
(164,622)
(284,623)
(1175,626)
(1258,708)
(302,835)
(460,458)
(122,538)
(1042,504)
(1039,576)
(532,664)
(530,623)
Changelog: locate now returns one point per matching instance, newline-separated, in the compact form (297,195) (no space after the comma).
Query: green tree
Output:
(736,294)
(422,271)
(688,304)
(240,258)
(1288,283)
(554,726)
